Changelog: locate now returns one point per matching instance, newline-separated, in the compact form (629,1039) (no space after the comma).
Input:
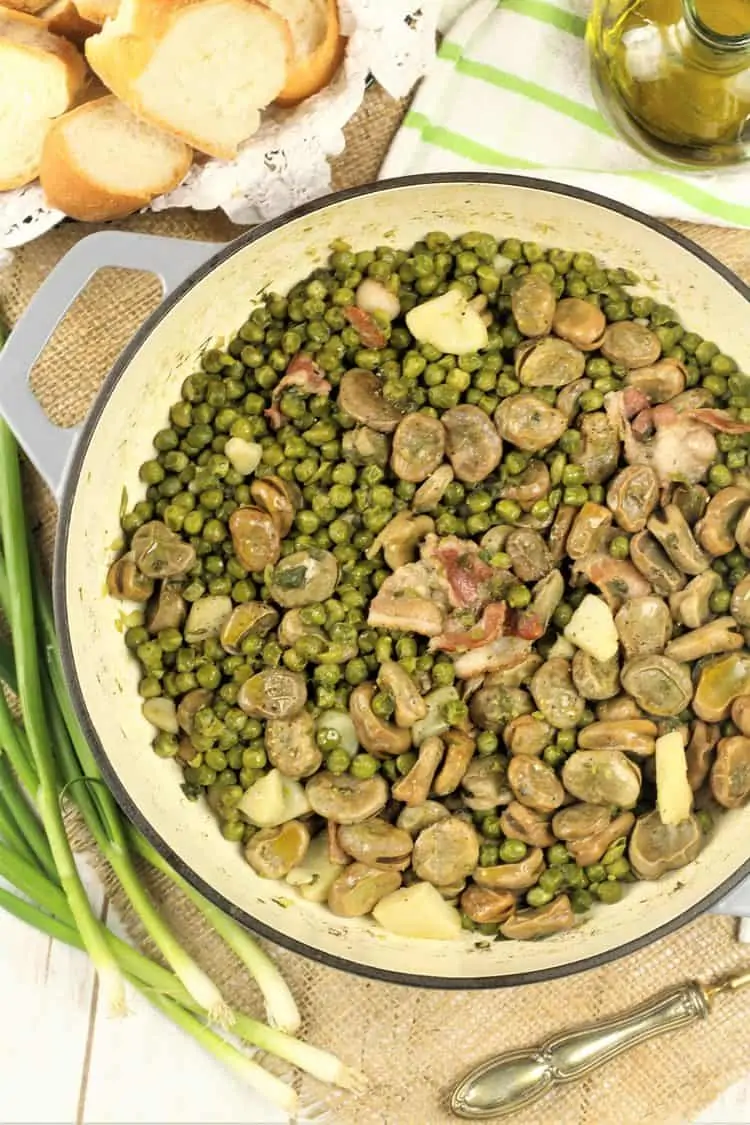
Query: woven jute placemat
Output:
(413,1043)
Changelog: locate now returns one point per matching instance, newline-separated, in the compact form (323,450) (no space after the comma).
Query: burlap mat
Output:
(413,1044)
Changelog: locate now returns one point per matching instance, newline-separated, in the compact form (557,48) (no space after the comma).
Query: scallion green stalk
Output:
(49,757)
(281,1007)
(22,814)
(13,528)
(151,978)
(100,811)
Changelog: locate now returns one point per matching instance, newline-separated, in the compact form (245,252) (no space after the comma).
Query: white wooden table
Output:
(64,1062)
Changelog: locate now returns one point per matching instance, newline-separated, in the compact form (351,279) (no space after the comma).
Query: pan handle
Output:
(49,447)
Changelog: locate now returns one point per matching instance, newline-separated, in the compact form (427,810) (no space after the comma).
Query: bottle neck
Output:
(724,42)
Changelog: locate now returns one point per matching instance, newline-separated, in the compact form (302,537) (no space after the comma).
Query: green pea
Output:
(576,287)
(608,892)
(595,873)
(509,511)
(165,745)
(149,687)
(576,496)
(455,712)
(338,761)
(233,830)
(580,901)
(705,352)
(553,755)
(502,560)
(170,640)
(619,547)
(364,766)
(515,462)
(253,758)
(152,472)
(488,855)
(382,704)
(355,672)
(328,738)
(512,851)
(537,896)
(557,856)
(406,762)
(551,880)
(200,775)
(719,475)
(570,442)
(573,475)
(591,400)
(716,384)
(208,676)
(216,760)
(150,654)
(136,635)
(487,740)
(720,601)
(271,654)
(618,869)
(562,615)
(518,596)
(491,826)
(443,674)
(479,501)
(723,365)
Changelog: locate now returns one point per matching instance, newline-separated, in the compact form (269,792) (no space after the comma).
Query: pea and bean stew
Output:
(443,575)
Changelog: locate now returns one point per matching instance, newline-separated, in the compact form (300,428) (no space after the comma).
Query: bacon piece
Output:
(643,424)
(634,400)
(274,416)
(677,446)
(303,373)
(464,571)
(719,420)
(364,323)
(498,620)
(491,626)
(617,579)
(505,652)
(527,625)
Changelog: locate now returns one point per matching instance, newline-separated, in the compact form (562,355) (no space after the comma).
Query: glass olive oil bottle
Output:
(673,77)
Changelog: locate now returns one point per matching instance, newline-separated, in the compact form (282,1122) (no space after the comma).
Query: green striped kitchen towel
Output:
(509,92)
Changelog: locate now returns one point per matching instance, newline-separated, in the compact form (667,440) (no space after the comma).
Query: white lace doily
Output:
(285,163)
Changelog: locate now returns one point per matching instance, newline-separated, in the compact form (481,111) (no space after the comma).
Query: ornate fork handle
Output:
(510,1081)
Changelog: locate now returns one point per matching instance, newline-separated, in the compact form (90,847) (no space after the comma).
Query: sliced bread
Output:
(201,69)
(98,10)
(63,18)
(41,75)
(318,46)
(25,5)
(101,162)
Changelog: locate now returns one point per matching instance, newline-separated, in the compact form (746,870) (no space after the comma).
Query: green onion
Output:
(13,531)
(102,816)
(48,759)
(281,1008)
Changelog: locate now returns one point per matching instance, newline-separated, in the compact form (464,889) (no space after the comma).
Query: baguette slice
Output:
(41,76)
(63,18)
(101,162)
(98,10)
(318,46)
(200,69)
(25,5)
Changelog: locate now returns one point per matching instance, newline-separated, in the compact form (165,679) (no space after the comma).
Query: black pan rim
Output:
(69,491)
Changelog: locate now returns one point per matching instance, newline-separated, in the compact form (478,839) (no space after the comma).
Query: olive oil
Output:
(674,76)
